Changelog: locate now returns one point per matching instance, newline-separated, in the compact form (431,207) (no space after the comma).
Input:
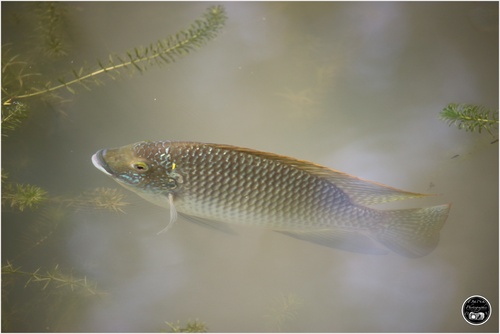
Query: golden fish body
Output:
(222,183)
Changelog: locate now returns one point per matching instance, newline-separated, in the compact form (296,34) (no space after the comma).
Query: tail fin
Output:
(413,232)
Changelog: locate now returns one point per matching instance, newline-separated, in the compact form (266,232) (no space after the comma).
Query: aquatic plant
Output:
(141,58)
(18,75)
(54,295)
(195,326)
(50,23)
(109,199)
(41,229)
(12,115)
(22,196)
(318,66)
(27,196)
(283,310)
(54,276)
(470,117)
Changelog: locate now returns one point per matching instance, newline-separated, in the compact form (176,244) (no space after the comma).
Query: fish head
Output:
(143,167)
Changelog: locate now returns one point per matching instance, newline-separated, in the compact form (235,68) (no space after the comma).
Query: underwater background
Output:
(357,87)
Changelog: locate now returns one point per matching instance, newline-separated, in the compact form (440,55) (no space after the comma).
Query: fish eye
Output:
(140,166)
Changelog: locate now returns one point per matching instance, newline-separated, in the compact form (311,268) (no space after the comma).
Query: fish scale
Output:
(261,192)
(213,183)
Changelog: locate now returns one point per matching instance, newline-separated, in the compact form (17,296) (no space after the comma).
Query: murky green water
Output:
(354,86)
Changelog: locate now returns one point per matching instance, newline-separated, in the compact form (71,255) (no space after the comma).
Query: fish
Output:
(217,184)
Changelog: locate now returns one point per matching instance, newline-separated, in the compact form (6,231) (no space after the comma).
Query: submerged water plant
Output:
(18,74)
(12,115)
(41,229)
(107,199)
(140,58)
(23,196)
(194,326)
(54,276)
(283,310)
(470,117)
(50,27)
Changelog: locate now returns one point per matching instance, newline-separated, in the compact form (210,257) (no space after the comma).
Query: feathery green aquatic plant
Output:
(27,196)
(50,29)
(55,277)
(12,115)
(470,117)
(141,58)
(108,199)
(283,309)
(22,196)
(195,326)
(18,76)
(40,231)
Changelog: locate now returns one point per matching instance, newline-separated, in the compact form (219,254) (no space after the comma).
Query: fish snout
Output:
(100,163)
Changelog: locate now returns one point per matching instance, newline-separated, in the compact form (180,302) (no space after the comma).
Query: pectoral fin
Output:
(173,214)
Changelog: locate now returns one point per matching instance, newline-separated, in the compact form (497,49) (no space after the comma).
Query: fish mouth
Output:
(100,163)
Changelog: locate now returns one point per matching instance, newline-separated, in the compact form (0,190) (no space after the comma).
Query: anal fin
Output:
(339,239)
(207,223)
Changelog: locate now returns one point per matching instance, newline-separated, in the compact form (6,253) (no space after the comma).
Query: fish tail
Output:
(412,232)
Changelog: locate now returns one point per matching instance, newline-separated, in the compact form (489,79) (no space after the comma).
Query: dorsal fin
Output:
(360,191)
